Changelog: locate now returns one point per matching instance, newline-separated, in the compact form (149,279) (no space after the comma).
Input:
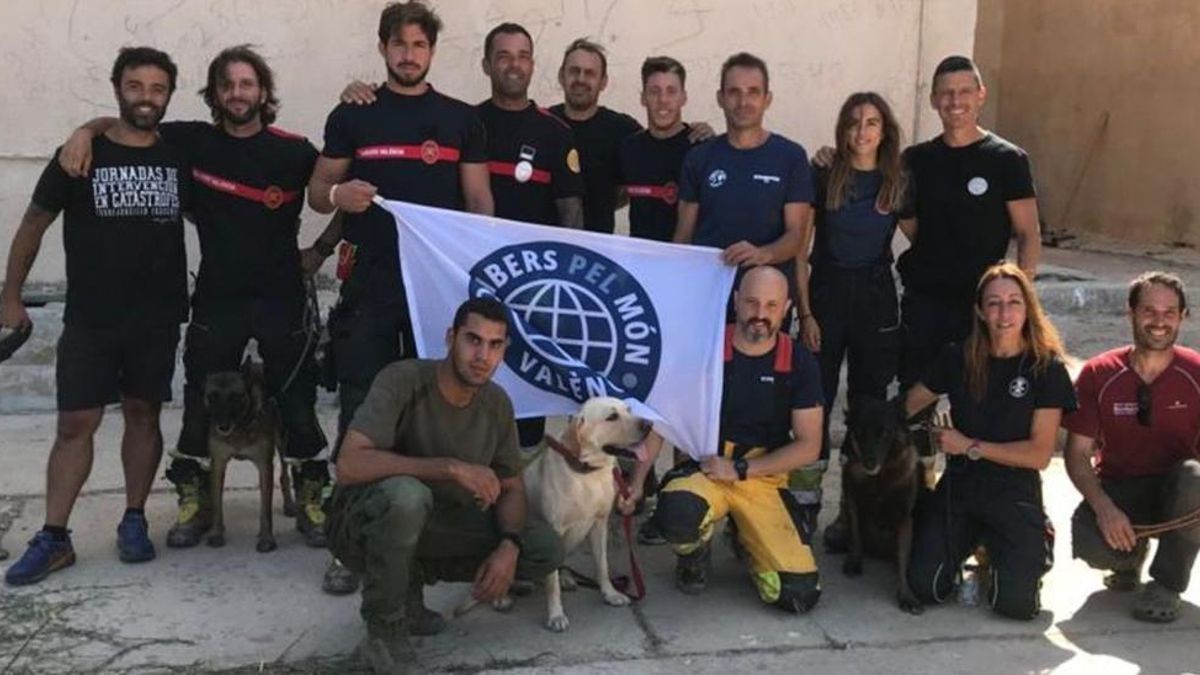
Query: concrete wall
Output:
(57,54)
(1102,94)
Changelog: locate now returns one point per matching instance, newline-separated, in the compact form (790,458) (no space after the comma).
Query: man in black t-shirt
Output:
(649,161)
(598,130)
(971,192)
(126,296)
(249,189)
(411,144)
(531,153)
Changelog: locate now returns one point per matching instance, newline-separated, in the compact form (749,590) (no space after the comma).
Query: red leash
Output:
(627,524)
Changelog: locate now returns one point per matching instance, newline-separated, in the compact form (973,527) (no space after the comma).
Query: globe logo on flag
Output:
(582,325)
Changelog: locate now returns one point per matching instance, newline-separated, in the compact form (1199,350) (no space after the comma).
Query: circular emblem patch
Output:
(582,325)
(670,193)
(430,151)
(573,160)
(977,185)
(273,197)
(716,178)
(1018,387)
(523,171)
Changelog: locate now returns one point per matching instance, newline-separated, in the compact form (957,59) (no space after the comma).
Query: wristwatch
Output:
(741,466)
(514,538)
(974,452)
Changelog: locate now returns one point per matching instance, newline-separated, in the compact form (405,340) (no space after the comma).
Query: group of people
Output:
(813,245)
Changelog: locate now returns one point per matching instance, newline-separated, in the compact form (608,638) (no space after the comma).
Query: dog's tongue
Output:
(640,451)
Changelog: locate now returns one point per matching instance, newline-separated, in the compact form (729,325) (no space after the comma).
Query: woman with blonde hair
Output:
(1008,388)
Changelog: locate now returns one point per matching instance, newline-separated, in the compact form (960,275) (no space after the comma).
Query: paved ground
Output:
(235,610)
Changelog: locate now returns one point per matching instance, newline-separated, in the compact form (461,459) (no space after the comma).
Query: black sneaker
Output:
(691,570)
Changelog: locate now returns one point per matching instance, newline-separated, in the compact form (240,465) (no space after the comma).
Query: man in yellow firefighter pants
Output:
(770,424)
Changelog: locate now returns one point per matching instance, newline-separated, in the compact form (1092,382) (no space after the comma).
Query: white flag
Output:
(592,314)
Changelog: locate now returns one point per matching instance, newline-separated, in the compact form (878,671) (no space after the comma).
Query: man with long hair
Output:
(249,181)
(1139,418)
(126,296)
(855,310)
(1008,389)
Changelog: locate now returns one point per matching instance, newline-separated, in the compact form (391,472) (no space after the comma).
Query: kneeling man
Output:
(1139,413)
(429,487)
(770,425)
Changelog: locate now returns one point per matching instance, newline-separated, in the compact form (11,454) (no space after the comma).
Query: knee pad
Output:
(798,592)
(1013,596)
(678,516)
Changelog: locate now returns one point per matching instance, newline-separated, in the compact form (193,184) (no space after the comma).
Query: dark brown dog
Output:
(243,424)
(881,478)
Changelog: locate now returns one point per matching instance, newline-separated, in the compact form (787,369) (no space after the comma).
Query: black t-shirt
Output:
(856,235)
(247,198)
(599,140)
(748,395)
(1014,392)
(123,234)
(959,197)
(532,161)
(409,147)
(649,171)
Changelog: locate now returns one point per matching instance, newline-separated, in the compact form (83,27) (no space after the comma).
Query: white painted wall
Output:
(55,57)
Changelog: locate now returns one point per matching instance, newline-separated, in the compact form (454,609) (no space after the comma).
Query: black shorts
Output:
(98,366)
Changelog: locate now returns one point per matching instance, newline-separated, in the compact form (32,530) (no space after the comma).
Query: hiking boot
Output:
(386,649)
(195,513)
(133,539)
(691,570)
(421,621)
(338,579)
(310,504)
(835,535)
(649,534)
(46,554)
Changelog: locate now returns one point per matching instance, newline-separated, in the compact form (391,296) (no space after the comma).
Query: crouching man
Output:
(770,425)
(429,488)
(1139,414)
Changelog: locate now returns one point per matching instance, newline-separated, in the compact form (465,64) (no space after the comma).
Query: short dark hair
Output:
(217,73)
(1164,279)
(590,47)
(956,64)
(746,60)
(662,64)
(400,14)
(136,57)
(506,28)
(488,307)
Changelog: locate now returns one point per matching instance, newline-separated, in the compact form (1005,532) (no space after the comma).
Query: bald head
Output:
(761,303)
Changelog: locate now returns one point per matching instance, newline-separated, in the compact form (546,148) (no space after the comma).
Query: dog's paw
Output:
(852,567)
(216,540)
(266,544)
(558,623)
(617,599)
(909,603)
(566,581)
(503,604)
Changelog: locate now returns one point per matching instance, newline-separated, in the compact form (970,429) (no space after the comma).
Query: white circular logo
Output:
(523,171)
(1018,387)
(716,178)
(977,185)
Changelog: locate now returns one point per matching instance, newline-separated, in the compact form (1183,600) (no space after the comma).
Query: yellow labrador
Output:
(571,488)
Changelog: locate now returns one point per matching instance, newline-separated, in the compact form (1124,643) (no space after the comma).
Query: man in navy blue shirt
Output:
(747,191)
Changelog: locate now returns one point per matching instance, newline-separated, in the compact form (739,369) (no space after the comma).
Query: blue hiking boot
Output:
(133,539)
(45,554)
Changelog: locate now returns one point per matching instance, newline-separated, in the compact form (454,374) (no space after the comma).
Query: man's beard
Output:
(138,120)
(581,99)
(252,112)
(511,87)
(405,80)
(757,331)
(1146,341)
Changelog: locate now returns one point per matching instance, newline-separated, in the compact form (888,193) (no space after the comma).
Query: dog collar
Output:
(571,458)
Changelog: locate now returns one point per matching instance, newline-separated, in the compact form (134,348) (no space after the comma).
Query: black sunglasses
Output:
(1145,404)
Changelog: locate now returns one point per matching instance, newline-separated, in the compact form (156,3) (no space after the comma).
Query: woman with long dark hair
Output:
(1008,388)
(853,314)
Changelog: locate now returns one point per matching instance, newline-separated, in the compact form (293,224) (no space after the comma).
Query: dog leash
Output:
(1155,529)
(621,582)
(312,328)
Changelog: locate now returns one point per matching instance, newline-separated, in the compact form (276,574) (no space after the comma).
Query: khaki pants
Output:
(393,533)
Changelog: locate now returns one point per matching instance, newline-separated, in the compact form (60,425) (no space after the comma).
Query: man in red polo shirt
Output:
(1139,416)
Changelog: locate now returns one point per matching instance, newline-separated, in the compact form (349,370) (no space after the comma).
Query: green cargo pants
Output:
(394,535)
